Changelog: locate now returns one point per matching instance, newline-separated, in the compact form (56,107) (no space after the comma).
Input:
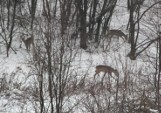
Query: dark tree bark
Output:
(50,72)
(33,11)
(82,7)
(107,8)
(92,18)
(65,14)
(8,14)
(134,6)
(98,30)
(107,20)
(46,10)
(95,22)
(159,75)
(48,47)
(12,27)
(132,30)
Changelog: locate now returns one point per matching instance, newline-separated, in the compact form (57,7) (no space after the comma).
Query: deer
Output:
(118,33)
(28,42)
(106,69)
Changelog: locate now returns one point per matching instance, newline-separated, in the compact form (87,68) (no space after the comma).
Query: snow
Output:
(16,70)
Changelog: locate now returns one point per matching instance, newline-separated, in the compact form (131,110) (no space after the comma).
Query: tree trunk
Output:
(132,53)
(12,27)
(92,19)
(98,30)
(82,15)
(33,10)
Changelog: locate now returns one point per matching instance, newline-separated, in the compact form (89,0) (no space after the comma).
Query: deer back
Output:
(29,40)
(103,68)
(106,69)
(118,33)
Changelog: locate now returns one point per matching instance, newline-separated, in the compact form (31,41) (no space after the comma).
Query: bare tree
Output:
(32,10)
(107,9)
(58,49)
(135,6)
(12,27)
(82,13)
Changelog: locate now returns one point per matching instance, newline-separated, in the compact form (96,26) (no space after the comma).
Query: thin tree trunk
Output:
(8,7)
(98,30)
(158,82)
(33,10)
(82,15)
(132,33)
(12,27)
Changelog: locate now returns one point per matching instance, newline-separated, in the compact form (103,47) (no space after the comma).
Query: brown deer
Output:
(105,69)
(28,42)
(118,33)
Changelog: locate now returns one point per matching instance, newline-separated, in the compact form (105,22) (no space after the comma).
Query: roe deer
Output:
(118,33)
(106,69)
(28,42)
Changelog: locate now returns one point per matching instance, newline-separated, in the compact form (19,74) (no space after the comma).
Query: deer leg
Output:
(111,76)
(94,79)
(95,76)
(124,38)
(109,42)
(28,47)
(109,80)
(103,78)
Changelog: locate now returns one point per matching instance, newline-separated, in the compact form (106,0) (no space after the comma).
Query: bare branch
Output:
(146,11)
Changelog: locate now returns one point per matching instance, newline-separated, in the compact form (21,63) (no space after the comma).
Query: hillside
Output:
(55,71)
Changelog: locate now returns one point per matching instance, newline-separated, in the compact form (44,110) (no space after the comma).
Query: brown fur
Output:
(28,42)
(106,69)
(118,33)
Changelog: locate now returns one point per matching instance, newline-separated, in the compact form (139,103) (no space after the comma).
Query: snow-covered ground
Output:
(17,73)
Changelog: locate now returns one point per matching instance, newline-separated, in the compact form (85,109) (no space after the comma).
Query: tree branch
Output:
(146,46)
(146,11)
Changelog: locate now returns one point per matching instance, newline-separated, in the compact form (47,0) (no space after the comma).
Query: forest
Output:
(80,56)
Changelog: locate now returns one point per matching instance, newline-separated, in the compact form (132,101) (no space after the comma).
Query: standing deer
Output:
(105,69)
(28,42)
(118,33)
